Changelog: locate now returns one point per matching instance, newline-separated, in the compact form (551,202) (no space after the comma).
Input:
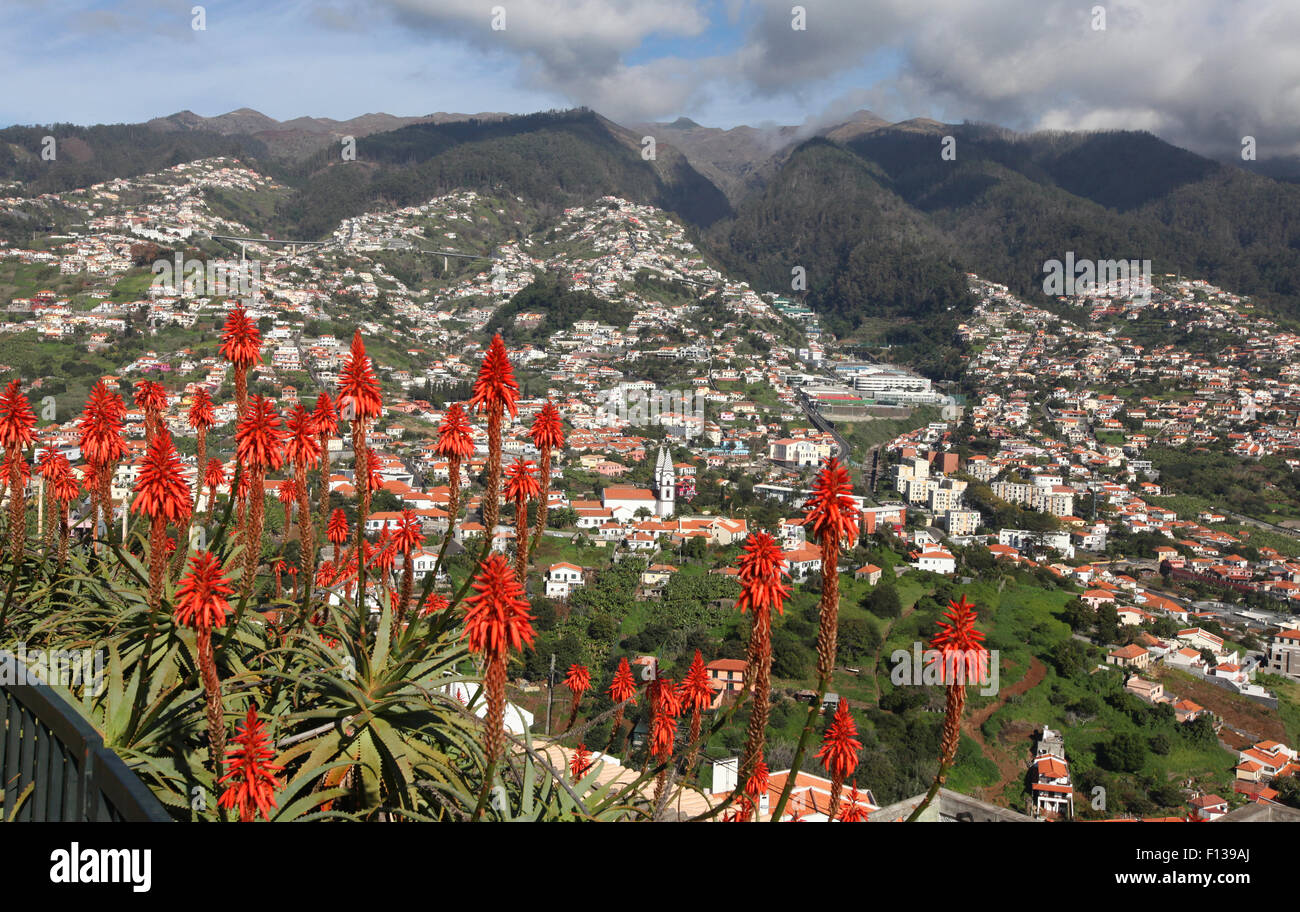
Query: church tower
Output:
(665,483)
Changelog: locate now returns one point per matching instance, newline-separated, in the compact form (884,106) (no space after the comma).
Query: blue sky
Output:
(1203,73)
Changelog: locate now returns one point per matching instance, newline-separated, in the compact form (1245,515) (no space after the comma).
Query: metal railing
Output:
(54,765)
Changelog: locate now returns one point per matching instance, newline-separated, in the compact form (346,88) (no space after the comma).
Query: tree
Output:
(1288,791)
(1126,752)
(857,638)
(883,601)
(1107,623)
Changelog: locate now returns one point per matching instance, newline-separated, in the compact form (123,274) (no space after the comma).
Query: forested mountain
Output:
(556,158)
(885,225)
(89,155)
(881,223)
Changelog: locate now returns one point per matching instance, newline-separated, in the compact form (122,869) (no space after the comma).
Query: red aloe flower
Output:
(325,574)
(47,463)
(288,493)
(302,445)
(580,762)
(102,446)
(337,530)
(259,438)
(578,680)
(434,603)
(456,445)
(152,398)
(832,511)
(16,422)
(325,416)
(408,538)
(495,390)
(521,486)
(16,418)
(839,753)
(496,384)
(853,811)
(202,596)
(202,418)
(665,707)
(358,385)
(63,486)
(242,346)
(697,695)
(547,431)
(259,445)
(202,603)
(961,658)
(302,449)
(455,436)
(833,517)
(326,422)
(496,621)
(761,565)
(359,397)
(756,786)
(621,689)
(214,476)
(161,494)
(251,777)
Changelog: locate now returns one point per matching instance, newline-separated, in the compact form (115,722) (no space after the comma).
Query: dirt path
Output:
(1010,764)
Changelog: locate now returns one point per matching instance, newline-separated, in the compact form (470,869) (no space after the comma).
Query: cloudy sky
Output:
(1202,73)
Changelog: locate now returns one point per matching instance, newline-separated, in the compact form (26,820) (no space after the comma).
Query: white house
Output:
(936,560)
(561,579)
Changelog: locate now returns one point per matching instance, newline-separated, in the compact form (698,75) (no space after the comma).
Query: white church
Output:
(660,500)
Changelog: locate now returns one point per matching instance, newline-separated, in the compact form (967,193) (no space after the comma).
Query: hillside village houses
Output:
(1071,474)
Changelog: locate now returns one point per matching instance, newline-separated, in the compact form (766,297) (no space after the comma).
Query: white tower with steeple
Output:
(665,483)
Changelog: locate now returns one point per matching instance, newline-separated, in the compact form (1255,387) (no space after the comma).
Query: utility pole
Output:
(550,693)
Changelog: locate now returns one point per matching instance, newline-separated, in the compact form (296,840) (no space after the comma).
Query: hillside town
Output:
(699,410)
